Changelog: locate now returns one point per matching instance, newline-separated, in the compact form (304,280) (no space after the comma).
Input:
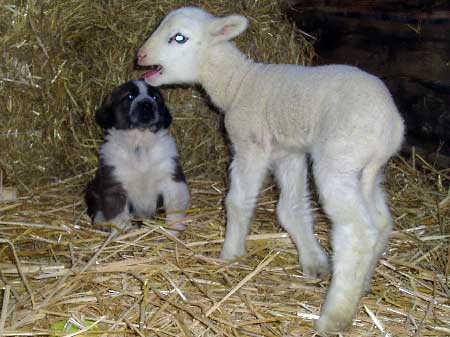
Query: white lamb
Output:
(277,114)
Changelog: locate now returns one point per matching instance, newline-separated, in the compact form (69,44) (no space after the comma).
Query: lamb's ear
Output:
(227,28)
(104,115)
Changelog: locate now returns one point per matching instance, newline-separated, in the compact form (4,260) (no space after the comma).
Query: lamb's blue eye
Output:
(179,38)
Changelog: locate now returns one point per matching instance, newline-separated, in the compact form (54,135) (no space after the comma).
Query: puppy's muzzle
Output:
(144,114)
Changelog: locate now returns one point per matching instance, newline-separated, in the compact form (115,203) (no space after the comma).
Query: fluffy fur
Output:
(275,115)
(139,163)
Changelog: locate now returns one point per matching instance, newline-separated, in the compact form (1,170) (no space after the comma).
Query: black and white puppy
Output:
(139,162)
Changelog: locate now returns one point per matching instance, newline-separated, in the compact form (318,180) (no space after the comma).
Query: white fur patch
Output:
(143,163)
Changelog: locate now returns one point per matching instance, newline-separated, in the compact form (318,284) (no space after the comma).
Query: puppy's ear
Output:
(104,115)
(165,118)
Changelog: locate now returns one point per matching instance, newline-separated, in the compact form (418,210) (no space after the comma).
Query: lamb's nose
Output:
(141,56)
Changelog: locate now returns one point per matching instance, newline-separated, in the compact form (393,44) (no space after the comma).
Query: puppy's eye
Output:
(179,38)
(155,98)
(131,96)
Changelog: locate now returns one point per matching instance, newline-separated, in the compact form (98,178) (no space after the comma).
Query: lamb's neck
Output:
(222,72)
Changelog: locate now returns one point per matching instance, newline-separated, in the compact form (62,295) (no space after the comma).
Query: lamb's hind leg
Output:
(381,215)
(247,172)
(354,239)
(294,213)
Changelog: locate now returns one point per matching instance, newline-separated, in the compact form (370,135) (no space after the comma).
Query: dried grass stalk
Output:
(57,59)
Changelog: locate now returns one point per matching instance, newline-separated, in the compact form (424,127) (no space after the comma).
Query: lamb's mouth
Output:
(153,70)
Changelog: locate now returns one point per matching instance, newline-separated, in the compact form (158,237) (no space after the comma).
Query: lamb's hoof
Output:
(332,324)
(228,254)
(319,267)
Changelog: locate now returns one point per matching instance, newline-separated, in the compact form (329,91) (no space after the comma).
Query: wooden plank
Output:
(373,5)
(412,59)
(384,48)
(394,10)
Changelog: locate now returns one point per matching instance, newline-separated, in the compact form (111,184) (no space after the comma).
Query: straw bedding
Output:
(57,60)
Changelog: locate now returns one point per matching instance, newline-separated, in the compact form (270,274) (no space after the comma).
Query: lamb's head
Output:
(176,48)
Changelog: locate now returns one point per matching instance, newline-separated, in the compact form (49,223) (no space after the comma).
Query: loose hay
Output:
(57,60)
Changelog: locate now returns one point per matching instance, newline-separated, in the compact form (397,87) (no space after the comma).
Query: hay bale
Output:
(58,58)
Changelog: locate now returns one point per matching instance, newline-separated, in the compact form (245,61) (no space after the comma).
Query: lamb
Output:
(275,115)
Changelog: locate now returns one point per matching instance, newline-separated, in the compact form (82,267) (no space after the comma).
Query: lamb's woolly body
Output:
(277,114)
(143,162)
(295,107)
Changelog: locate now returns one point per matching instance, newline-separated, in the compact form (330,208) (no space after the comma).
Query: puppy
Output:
(139,165)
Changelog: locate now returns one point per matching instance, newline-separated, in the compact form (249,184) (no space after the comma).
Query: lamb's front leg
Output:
(295,215)
(247,172)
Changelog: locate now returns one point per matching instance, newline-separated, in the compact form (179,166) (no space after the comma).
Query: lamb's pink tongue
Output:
(151,73)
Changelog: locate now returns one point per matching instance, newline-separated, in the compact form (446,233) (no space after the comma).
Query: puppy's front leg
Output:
(176,198)
(114,209)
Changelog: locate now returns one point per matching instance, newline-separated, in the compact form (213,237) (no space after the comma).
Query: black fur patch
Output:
(160,202)
(178,174)
(131,208)
(105,194)
(117,108)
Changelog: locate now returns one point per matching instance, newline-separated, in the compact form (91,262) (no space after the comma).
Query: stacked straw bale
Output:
(58,59)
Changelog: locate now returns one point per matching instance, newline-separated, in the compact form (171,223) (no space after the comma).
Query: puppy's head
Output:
(134,105)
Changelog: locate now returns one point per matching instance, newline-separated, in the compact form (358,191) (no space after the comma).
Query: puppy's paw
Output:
(176,229)
(119,224)
(175,223)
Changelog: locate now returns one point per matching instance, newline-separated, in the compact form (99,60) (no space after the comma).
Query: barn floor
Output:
(148,283)
(58,60)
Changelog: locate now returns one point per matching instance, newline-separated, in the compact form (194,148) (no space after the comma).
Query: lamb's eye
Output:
(179,38)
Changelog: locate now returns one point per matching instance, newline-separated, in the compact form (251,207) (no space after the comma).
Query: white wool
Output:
(275,115)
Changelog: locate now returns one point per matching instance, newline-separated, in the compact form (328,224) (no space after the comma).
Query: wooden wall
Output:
(406,43)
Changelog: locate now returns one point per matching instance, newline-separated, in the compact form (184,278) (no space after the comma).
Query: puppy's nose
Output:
(145,111)
(147,105)
(146,116)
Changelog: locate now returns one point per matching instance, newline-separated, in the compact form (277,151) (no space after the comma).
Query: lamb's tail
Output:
(394,132)
(397,133)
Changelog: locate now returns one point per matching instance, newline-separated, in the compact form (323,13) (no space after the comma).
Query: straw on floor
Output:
(58,59)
